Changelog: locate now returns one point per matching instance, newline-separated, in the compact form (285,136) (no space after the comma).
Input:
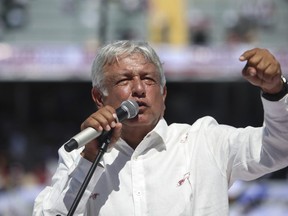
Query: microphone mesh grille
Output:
(131,107)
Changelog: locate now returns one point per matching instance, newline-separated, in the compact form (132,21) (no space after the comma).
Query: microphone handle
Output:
(81,139)
(128,109)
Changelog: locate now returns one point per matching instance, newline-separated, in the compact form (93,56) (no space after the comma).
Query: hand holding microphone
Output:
(102,120)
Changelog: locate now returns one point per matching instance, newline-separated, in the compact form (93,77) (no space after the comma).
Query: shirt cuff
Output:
(279,95)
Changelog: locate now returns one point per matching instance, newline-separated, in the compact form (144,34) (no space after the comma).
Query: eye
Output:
(122,81)
(149,80)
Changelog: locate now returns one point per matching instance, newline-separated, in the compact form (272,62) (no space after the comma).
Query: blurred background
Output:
(46,50)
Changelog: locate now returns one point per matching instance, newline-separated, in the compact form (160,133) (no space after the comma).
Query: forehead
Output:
(135,56)
(130,62)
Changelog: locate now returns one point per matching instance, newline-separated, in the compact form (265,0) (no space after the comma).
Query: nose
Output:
(138,88)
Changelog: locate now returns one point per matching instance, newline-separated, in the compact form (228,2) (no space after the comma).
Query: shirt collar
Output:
(154,139)
(160,129)
(159,132)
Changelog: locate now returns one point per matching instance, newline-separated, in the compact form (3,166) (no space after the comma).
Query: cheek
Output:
(158,101)
(118,94)
(115,89)
(157,93)
(123,91)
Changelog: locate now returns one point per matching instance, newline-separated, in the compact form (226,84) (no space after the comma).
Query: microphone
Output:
(128,109)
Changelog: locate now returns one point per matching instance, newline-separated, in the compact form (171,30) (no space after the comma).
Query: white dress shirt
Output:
(176,170)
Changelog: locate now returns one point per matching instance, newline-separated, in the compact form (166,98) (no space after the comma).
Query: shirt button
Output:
(138,193)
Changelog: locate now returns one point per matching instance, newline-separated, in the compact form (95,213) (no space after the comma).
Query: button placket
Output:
(137,184)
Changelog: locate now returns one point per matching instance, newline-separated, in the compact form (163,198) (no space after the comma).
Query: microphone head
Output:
(131,107)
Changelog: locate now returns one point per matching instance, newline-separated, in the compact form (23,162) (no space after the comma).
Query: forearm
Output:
(254,152)
(66,182)
(275,137)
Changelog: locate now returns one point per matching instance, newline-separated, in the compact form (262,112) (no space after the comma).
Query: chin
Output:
(138,121)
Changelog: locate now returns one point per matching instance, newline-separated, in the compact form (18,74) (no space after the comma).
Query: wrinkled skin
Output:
(131,77)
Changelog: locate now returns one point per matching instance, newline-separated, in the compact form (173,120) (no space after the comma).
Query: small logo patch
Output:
(94,196)
(185,177)
(184,138)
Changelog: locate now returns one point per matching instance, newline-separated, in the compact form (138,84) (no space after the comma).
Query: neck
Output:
(134,135)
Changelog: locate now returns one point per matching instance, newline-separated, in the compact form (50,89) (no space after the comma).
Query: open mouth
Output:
(142,105)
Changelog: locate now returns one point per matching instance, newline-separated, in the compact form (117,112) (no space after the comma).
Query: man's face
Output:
(133,77)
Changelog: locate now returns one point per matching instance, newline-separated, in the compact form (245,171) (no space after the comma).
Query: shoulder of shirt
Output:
(201,122)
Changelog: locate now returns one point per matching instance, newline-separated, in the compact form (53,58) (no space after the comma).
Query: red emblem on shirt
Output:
(181,182)
(93,196)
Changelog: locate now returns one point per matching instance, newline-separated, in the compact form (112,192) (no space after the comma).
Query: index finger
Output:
(247,55)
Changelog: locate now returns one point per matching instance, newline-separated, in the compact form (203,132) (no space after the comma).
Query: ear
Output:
(164,98)
(97,97)
(164,93)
